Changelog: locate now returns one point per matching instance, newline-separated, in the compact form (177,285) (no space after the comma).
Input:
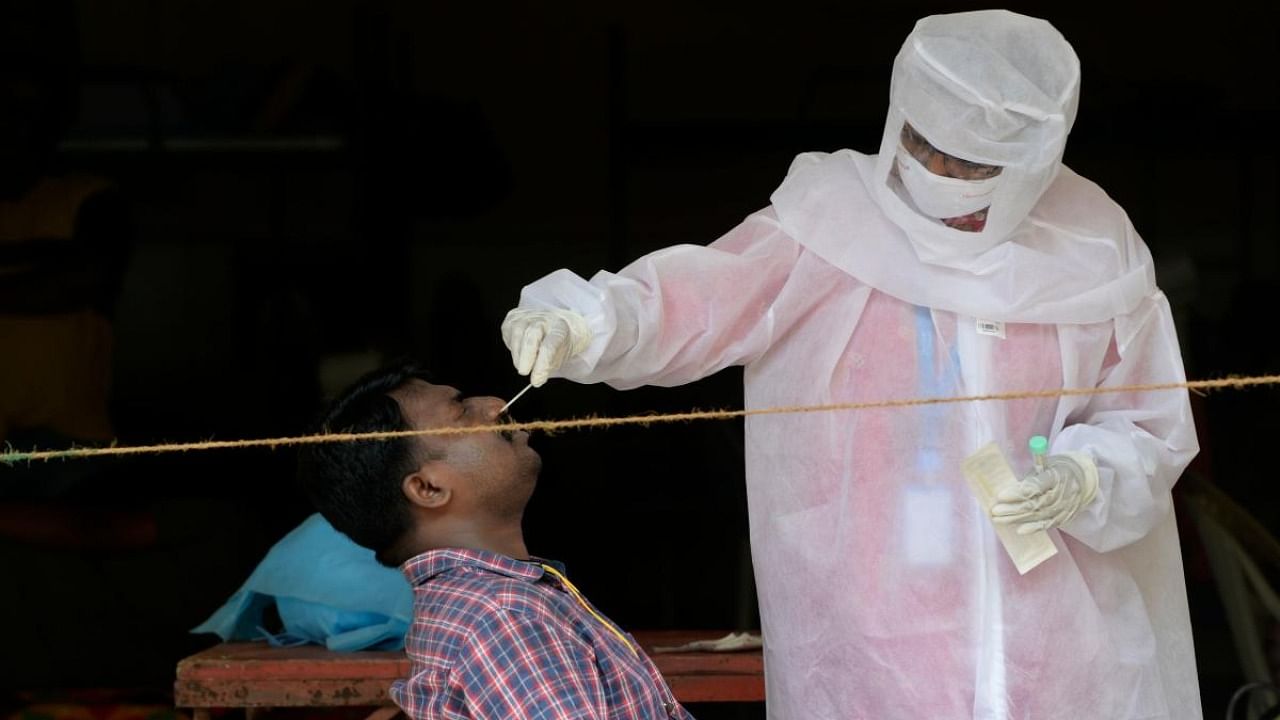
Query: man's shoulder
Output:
(1076,202)
(470,599)
(466,610)
(842,161)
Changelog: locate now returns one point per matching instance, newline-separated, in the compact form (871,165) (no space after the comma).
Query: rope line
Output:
(11,456)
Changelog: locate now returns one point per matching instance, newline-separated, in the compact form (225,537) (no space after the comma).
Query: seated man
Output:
(496,633)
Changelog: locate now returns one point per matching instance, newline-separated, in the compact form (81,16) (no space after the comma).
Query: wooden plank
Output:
(717,688)
(736,663)
(277,692)
(261,662)
(257,675)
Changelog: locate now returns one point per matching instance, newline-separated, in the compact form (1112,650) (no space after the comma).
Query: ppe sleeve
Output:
(516,667)
(1140,441)
(677,314)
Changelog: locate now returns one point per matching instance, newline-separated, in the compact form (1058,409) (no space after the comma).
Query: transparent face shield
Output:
(956,192)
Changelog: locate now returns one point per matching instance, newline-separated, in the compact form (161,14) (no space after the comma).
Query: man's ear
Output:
(429,486)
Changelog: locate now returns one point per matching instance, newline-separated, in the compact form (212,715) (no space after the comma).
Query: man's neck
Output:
(504,541)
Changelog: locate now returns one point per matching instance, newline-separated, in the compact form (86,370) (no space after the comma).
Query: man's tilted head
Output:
(403,496)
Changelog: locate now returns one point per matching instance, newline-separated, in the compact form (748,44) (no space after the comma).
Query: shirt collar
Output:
(421,568)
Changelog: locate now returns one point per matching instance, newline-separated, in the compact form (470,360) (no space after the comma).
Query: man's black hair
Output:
(356,485)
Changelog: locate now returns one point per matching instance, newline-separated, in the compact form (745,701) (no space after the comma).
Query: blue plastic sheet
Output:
(326,589)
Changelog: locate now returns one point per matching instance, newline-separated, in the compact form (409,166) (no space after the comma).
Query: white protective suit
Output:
(884,591)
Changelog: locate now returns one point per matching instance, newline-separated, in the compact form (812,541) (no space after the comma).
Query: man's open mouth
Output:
(508,435)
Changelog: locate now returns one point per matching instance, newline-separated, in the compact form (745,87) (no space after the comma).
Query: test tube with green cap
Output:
(1039,446)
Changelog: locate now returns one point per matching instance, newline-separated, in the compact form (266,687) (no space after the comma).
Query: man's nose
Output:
(489,407)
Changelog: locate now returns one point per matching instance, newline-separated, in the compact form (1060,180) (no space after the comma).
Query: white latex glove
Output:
(1050,497)
(541,340)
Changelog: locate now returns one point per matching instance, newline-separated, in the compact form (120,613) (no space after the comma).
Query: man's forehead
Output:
(420,399)
(418,386)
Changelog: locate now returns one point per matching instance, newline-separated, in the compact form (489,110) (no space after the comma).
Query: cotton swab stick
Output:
(514,399)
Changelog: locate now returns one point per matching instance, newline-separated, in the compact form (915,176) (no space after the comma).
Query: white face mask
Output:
(940,197)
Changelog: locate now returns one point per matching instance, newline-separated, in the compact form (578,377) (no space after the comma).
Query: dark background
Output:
(309,187)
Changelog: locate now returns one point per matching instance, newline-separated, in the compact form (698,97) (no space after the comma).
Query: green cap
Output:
(1039,445)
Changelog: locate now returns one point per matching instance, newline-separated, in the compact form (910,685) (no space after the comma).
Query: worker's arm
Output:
(1140,441)
(680,313)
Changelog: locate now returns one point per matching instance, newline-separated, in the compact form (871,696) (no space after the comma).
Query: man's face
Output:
(499,468)
(940,163)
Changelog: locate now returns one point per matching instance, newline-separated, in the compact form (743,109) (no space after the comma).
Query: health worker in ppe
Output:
(962,259)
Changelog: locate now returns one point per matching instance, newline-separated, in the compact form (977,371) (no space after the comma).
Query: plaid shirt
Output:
(498,638)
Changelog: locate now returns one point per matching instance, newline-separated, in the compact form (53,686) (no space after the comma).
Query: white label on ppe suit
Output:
(988,473)
(991,328)
(926,527)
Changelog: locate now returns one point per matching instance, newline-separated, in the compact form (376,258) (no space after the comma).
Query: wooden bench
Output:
(255,675)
